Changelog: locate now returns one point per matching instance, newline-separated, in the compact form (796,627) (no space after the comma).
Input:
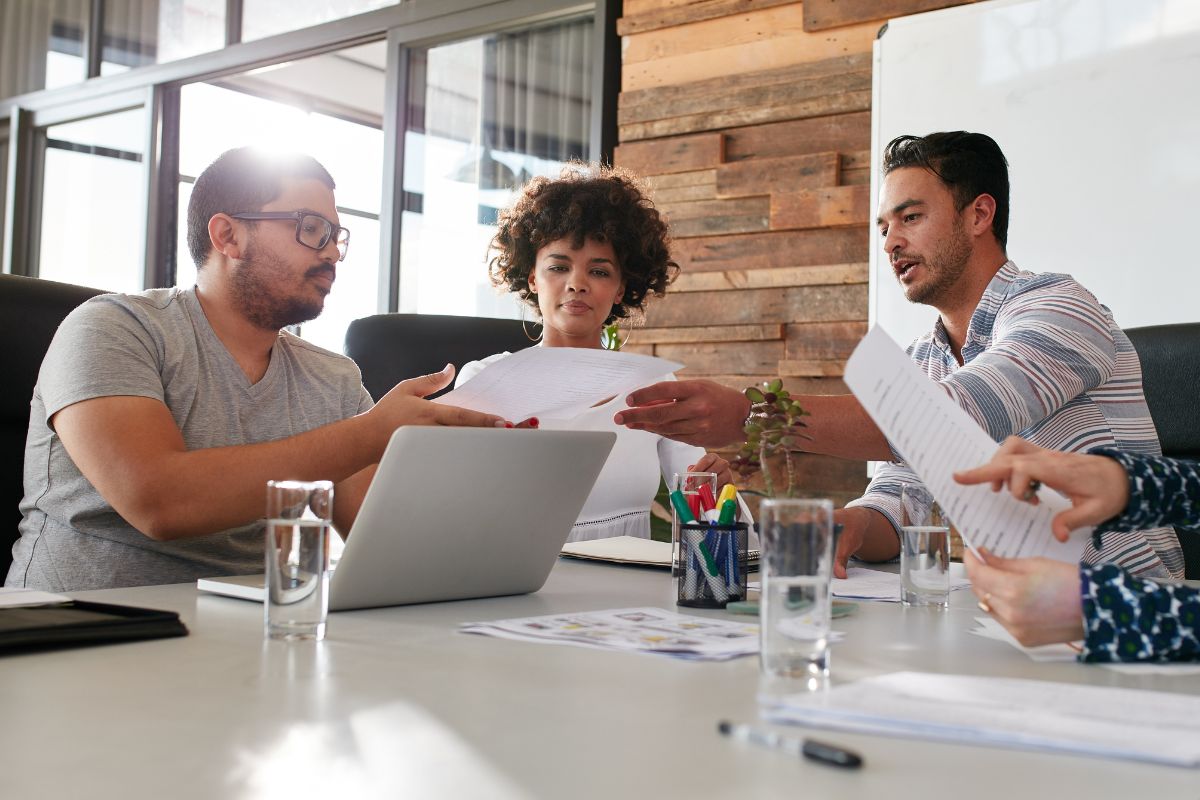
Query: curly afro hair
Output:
(586,201)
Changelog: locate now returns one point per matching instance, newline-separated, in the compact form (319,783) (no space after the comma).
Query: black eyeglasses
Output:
(312,230)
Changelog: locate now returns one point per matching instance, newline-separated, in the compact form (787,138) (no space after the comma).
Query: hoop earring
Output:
(620,343)
(524,328)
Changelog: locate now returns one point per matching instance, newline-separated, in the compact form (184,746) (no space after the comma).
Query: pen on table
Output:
(817,751)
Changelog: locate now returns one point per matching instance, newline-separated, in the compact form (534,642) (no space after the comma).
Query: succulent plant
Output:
(775,427)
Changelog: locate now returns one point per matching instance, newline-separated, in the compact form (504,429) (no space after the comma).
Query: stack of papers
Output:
(1159,727)
(636,630)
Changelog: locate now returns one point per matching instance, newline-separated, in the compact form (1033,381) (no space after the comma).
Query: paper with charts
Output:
(937,439)
(633,630)
(556,382)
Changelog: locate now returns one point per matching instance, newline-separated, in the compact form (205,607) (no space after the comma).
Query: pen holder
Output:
(713,561)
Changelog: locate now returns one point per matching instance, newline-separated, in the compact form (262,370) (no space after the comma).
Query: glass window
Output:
(261,18)
(485,115)
(138,32)
(92,203)
(3,180)
(340,125)
(41,42)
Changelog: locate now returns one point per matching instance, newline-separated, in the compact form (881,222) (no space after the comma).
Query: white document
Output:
(15,598)
(556,382)
(991,629)
(874,584)
(635,630)
(937,439)
(1106,722)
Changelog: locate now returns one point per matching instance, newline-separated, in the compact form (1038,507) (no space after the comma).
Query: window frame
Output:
(156,87)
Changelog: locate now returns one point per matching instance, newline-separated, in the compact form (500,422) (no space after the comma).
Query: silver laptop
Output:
(457,513)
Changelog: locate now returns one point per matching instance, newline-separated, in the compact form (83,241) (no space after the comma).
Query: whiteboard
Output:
(1096,104)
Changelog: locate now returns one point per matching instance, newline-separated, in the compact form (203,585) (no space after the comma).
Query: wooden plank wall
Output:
(751,120)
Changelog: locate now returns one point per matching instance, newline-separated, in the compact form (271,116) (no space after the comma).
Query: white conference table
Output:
(396,703)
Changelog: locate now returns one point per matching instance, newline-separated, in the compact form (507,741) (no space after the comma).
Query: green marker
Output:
(728,513)
(681,508)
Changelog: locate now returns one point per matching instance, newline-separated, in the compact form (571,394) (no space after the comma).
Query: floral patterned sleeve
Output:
(1131,619)
(1162,491)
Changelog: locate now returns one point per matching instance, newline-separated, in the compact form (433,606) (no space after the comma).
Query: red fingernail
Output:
(508,425)
(533,421)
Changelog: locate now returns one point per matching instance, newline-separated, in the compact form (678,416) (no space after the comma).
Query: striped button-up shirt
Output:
(1044,360)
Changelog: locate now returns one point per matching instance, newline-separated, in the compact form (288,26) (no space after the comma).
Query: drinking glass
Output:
(924,549)
(796,566)
(299,517)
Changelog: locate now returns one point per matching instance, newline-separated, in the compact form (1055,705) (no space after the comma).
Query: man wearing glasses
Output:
(159,417)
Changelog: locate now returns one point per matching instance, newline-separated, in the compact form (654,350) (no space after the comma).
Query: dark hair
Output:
(242,180)
(969,164)
(586,201)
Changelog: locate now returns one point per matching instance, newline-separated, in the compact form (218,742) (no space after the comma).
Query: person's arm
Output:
(707,414)
(132,451)
(1051,343)
(1161,491)
(1130,619)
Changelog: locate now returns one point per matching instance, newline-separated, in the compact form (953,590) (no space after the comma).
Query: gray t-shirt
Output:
(159,344)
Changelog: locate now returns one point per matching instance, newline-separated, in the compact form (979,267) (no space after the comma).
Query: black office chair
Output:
(30,312)
(1170,356)
(389,348)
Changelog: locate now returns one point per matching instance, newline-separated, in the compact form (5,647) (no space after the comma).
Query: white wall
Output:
(1096,104)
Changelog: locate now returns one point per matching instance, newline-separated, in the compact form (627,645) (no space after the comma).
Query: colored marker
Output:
(728,492)
(707,501)
(728,513)
(681,507)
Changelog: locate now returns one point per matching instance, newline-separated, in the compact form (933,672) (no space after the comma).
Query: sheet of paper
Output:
(937,439)
(636,630)
(556,382)
(873,584)
(1106,722)
(989,628)
(13,598)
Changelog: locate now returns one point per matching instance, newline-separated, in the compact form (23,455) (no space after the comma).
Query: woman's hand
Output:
(1036,599)
(711,462)
(1097,487)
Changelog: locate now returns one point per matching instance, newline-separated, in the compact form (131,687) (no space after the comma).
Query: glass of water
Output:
(299,516)
(796,566)
(924,549)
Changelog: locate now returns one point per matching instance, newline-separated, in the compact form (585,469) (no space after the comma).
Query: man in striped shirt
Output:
(1023,353)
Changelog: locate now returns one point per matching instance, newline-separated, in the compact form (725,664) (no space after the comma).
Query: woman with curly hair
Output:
(583,250)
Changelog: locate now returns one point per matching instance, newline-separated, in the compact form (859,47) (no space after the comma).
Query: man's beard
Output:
(257,283)
(945,266)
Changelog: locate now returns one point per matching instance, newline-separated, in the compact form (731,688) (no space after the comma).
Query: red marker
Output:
(707,501)
(693,501)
